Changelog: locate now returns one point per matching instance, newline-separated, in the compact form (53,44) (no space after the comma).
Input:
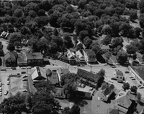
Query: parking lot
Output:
(10,86)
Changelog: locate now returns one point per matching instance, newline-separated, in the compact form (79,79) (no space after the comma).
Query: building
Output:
(85,91)
(89,56)
(10,59)
(80,57)
(126,103)
(71,56)
(106,91)
(30,59)
(105,48)
(88,78)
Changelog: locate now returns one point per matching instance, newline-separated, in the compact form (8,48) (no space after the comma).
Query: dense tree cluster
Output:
(35,21)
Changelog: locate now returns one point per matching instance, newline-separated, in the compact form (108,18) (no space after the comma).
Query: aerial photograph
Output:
(71,56)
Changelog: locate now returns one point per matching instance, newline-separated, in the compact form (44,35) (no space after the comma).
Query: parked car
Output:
(6,93)
(25,79)
(0,83)
(0,93)
(0,89)
(8,82)
(24,90)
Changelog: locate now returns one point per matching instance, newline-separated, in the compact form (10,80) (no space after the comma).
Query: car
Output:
(127,71)
(25,76)
(0,93)
(3,69)
(24,90)
(23,72)
(113,66)
(25,79)
(6,93)
(0,89)
(8,82)
(0,83)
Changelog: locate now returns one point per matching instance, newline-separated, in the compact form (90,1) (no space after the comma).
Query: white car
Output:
(6,93)
(8,82)
(0,89)
(24,90)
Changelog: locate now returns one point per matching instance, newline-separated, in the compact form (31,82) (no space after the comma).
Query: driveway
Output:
(4,43)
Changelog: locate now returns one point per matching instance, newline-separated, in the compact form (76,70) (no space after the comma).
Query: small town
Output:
(72,57)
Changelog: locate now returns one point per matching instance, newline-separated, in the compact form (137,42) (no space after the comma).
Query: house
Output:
(126,101)
(38,74)
(71,56)
(80,57)
(105,48)
(10,59)
(88,77)
(30,59)
(106,91)
(89,56)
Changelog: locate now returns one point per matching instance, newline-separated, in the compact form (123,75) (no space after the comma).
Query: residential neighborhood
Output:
(72,57)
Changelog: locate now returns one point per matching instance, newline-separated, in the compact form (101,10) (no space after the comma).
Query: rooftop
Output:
(88,75)
(89,52)
(36,55)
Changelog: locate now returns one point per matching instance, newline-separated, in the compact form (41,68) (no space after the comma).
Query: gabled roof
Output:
(38,74)
(89,52)
(21,58)
(11,54)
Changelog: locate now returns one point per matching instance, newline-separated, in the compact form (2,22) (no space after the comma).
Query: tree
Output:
(87,42)
(83,34)
(141,6)
(10,47)
(137,32)
(106,40)
(131,49)
(122,57)
(32,13)
(54,19)
(133,15)
(66,110)
(116,41)
(124,28)
(141,20)
(69,82)
(67,41)
(115,28)
(101,73)
(75,109)
(134,89)
(106,29)
(126,86)
(44,102)
(41,12)
(139,97)
(13,104)
(18,13)
(95,47)
(25,30)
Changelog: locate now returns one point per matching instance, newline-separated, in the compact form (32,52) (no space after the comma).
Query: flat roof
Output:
(85,89)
